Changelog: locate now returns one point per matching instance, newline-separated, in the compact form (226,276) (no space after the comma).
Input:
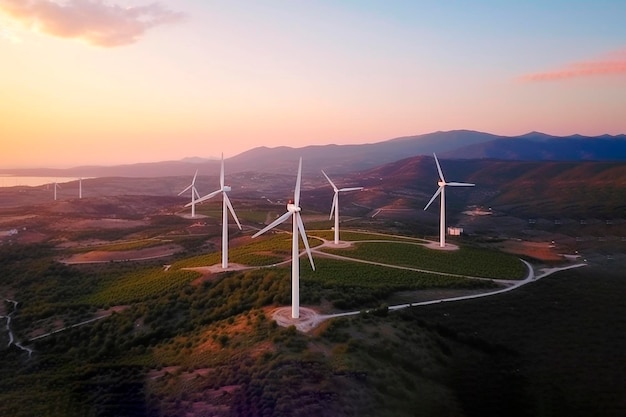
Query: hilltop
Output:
(458,144)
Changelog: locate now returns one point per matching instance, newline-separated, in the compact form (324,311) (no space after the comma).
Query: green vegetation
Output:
(139,285)
(353,285)
(244,215)
(181,345)
(467,260)
(123,246)
(351,236)
(264,250)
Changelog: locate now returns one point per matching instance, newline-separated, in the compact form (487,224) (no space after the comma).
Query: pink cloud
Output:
(95,21)
(614,64)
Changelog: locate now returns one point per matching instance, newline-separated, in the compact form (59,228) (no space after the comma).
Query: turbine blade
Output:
(222,173)
(196,192)
(331,183)
(335,202)
(350,189)
(276,222)
(460,184)
(206,197)
(433,197)
(188,187)
(193,182)
(231,209)
(304,238)
(439,168)
(296,192)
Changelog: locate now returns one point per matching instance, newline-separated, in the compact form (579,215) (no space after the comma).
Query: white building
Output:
(455,231)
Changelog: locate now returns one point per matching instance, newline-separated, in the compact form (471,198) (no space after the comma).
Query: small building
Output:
(455,231)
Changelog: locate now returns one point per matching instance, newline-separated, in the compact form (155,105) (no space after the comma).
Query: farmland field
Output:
(466,261)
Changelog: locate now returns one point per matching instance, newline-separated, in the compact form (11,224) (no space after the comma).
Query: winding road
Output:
(11,337)
(310,318)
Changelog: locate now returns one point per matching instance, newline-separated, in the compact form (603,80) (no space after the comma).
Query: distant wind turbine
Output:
(54,187)
(80,188)
(441,190)
(293,211)
(194,194)
(335,206)
(226,207)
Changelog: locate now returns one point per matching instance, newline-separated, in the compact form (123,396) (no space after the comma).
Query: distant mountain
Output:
(578,189)
(540,147)
(337,159)
(347,158)
(332,158)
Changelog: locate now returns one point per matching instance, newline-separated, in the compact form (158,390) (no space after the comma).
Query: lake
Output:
(14,181)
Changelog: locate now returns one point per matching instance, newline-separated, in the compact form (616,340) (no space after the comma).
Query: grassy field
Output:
(139,285)
(555,347)
(123,246)
(353,236)
(466,261)
(551,348)
(264,250)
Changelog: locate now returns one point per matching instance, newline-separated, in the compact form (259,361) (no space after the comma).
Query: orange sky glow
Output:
(113,82)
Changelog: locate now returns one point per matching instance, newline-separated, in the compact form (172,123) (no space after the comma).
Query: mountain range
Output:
(457,144)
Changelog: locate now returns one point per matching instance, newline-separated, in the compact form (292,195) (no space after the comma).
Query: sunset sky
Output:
(123,81)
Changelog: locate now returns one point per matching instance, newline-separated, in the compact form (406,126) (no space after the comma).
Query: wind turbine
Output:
(194,194)
(80,188)
(226,206)
(441,190)
(335,206)
(293,211)
(54,187)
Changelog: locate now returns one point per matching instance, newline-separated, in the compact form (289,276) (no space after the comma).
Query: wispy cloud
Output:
(613,64)
(97,22)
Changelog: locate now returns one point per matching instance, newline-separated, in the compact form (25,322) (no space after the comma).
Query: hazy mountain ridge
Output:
(538,148)
(466,144)
(551,188)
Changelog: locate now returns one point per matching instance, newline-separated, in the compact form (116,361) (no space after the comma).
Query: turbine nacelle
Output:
(226,188)
(441,183)
(292,208)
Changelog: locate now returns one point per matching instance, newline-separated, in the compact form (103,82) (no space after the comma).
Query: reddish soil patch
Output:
(126,255)
(98,224)
(543,251)
(15,219)
(154,374)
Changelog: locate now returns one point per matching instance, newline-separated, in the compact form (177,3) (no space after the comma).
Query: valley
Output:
(120,302)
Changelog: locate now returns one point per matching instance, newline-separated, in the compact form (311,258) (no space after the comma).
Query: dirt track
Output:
(97,256)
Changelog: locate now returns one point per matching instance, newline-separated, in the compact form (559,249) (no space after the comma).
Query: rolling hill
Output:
(460,144)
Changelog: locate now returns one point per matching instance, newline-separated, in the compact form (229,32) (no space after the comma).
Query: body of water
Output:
(15,181)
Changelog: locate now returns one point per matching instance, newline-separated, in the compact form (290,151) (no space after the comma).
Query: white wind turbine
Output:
(293,211)
(335,206)
(441,190)
(194,194)
(55,186)
(226,206)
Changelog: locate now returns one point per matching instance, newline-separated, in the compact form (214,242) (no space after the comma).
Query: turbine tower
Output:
(226,207)
(335,207)
(441,190)
(55,187)
(293,211)
(80,188)
(194,194)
